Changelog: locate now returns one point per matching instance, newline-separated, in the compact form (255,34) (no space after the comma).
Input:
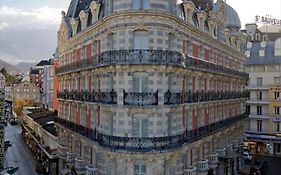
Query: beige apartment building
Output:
(150,87)
(26,90)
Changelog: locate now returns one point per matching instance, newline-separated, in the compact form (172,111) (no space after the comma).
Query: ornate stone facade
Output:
(149,87)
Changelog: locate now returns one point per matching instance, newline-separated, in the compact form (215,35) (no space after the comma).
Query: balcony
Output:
(213,160)
(152,57)
(190,171)
(62,151)
(201,96)
(70,158)
(91,170)
(202,166)
(140,98)
(80,166)
(149,144)
(91,97)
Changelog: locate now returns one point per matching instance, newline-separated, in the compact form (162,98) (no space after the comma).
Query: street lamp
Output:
(10,170)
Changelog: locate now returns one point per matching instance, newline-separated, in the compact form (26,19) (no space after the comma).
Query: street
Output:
(274,164)
(18,155)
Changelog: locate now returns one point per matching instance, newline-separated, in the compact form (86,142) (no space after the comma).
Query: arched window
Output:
(140,38)
(140,125)
(277,47)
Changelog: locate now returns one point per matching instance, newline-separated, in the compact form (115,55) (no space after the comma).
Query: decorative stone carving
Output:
(74,25)
(188,7)
(95,10)
(201,17)
(83,18)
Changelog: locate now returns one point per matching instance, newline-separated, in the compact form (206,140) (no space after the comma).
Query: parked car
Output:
(247,156)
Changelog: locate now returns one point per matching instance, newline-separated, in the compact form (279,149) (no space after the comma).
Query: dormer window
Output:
(261,53)
(247,53)
(249,45)
(140,4)
(264,37)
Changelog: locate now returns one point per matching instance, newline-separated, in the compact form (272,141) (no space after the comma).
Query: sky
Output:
(28,28)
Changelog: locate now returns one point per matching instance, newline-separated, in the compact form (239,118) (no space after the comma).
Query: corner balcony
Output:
(140,98)
(80,166)
(190,170)
(202,167)
(201,96)
(91,97)
(149,144)
(150,57)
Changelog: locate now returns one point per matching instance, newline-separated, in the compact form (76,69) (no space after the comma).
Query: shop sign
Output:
(268,20)
(260,136)
(278,134)
(277,119)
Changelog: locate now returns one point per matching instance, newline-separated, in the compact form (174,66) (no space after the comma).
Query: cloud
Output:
(44,15)
(28,34)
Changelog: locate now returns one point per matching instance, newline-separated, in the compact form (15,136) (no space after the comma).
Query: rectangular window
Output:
(259,126)
(139,169)
(277,110)
(140,127)
(259,95)
(140,4)
(259,110)
(259,81)
(277,80)
(277,126)
(277,95)
(140,40)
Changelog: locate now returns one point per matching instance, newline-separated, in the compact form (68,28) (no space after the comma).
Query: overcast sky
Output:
(28,28)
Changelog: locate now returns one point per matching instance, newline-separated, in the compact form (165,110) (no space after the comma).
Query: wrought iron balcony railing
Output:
(201,96)
(92,97)
(140,98)
(155,57)
(148,144)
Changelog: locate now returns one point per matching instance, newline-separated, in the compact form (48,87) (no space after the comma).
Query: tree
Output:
(20,103)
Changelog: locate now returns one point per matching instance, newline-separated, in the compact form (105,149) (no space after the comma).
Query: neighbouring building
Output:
(150,88)
(263,63)
(50,86)
(28,91)
(2,118)
(2,81)
(36,73)
(2,126)
(39,132)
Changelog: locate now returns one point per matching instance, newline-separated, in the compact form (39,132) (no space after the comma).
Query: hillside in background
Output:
(10,68)
(25,66)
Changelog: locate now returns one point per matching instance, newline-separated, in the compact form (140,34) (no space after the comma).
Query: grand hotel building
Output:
(150,87)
